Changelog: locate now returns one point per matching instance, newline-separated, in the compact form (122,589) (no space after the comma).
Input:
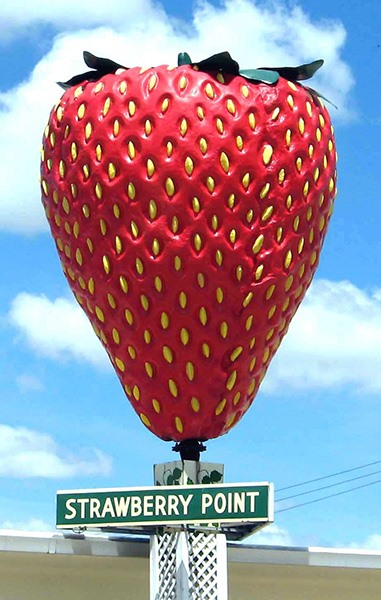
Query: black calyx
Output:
(100,66)
(189,449)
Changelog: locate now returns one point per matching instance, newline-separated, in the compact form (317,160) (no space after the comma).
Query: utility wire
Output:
(289,487)
(329,496)
(326,487)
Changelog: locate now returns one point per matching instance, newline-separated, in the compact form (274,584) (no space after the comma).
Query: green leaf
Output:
(263,75)
(215,476)
(206,479)
(170,480)
(177,473)
(189,481)
(219,62)
(183,59)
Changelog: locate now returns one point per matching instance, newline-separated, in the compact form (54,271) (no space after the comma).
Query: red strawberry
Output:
(189,206)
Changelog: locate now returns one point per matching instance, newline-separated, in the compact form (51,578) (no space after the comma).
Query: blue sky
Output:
(64,420)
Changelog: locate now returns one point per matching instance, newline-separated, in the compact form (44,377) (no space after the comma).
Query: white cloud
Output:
(31,524)
(57,329)
(334,340)
(272,535)
(255,36)
(372,542)
(25,453)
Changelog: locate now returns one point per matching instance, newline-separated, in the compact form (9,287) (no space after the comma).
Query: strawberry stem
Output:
(189,449)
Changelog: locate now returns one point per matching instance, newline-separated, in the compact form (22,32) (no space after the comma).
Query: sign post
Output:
(189,513)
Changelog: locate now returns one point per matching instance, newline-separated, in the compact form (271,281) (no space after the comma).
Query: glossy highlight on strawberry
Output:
(189,208)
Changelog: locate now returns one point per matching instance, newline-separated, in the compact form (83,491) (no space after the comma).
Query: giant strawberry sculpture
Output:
(189,206)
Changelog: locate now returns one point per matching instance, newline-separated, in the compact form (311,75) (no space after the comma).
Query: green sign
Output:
(165,505)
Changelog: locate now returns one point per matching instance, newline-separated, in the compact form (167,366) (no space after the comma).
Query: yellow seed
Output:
(275,114)
(286,304)
(131,150)
(331,185)
(111,170)
(236,353)
(302,270)
(99,87)
(245,91)
(266,355)
(290,101)
(249,216)
(201,280)
(239,272)
(309,213)
(106,106)
(165,105)
(164,320)
(195,404)
(167,353)
(267,213)
(310,150)
(259,272)
(155,247)
(123,87)
(98,191)
(203,145)
(267,154)
(136,392)
(209,91)
(196,205)
(299,164)
(288,259)
(139,266)
(129,316)
(318,134)
(289,282)
(252,121)
(219,125)
(301,125)
(311,236)
(183,299)
(183,126)
(316,174)
(189,368)
(271,312)
(231,107)
(246,180)
(118,245)
(169,187)
(220,78)
(224,161)
(220,407)
(145,420)
(99,313)
(224,329)
(152,82)
(184,336)
(106,264)
(103,227)
(116,336)
(156,404)
(131,191)
(257,246)
(177,263)
(233,236)
(313,258)
(90,245)
(203,316)
(152,209)
(239,142)
(74,151)
(123,284)
(150,168)
(116,128)
(66,205)
(179,424)
(200,113)
(296,223)
(81,111)
(248,298)
(219,257)
(270,291)
(144,302)
(231,380)
(120,364)
(173,388)
(134,229)
(158,284)
(61,169)
(264,191)
(131,108)
(189,165)
(197,242)
(288,137)
(76,229)
(210,184)
(183,82)
(206,350)
(321,223)
(214,223)
(249,322)
(147,336)
(219,295)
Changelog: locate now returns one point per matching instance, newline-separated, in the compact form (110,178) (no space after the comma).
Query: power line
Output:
(289,487)
(326,487)
(329,496)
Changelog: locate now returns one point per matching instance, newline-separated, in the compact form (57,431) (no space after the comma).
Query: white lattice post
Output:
(188,564)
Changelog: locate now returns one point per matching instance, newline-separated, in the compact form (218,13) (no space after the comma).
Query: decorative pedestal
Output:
(188,563)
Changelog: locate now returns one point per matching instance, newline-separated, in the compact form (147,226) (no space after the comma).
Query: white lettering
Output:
(239,502)
(185,502)
(121,506)
(160,505)
(73,512)
(206,501)
(148,506)
(95,505)
(136,506)
(83,502)
(173,503)
(108,508)
(252,496)
(219,503)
